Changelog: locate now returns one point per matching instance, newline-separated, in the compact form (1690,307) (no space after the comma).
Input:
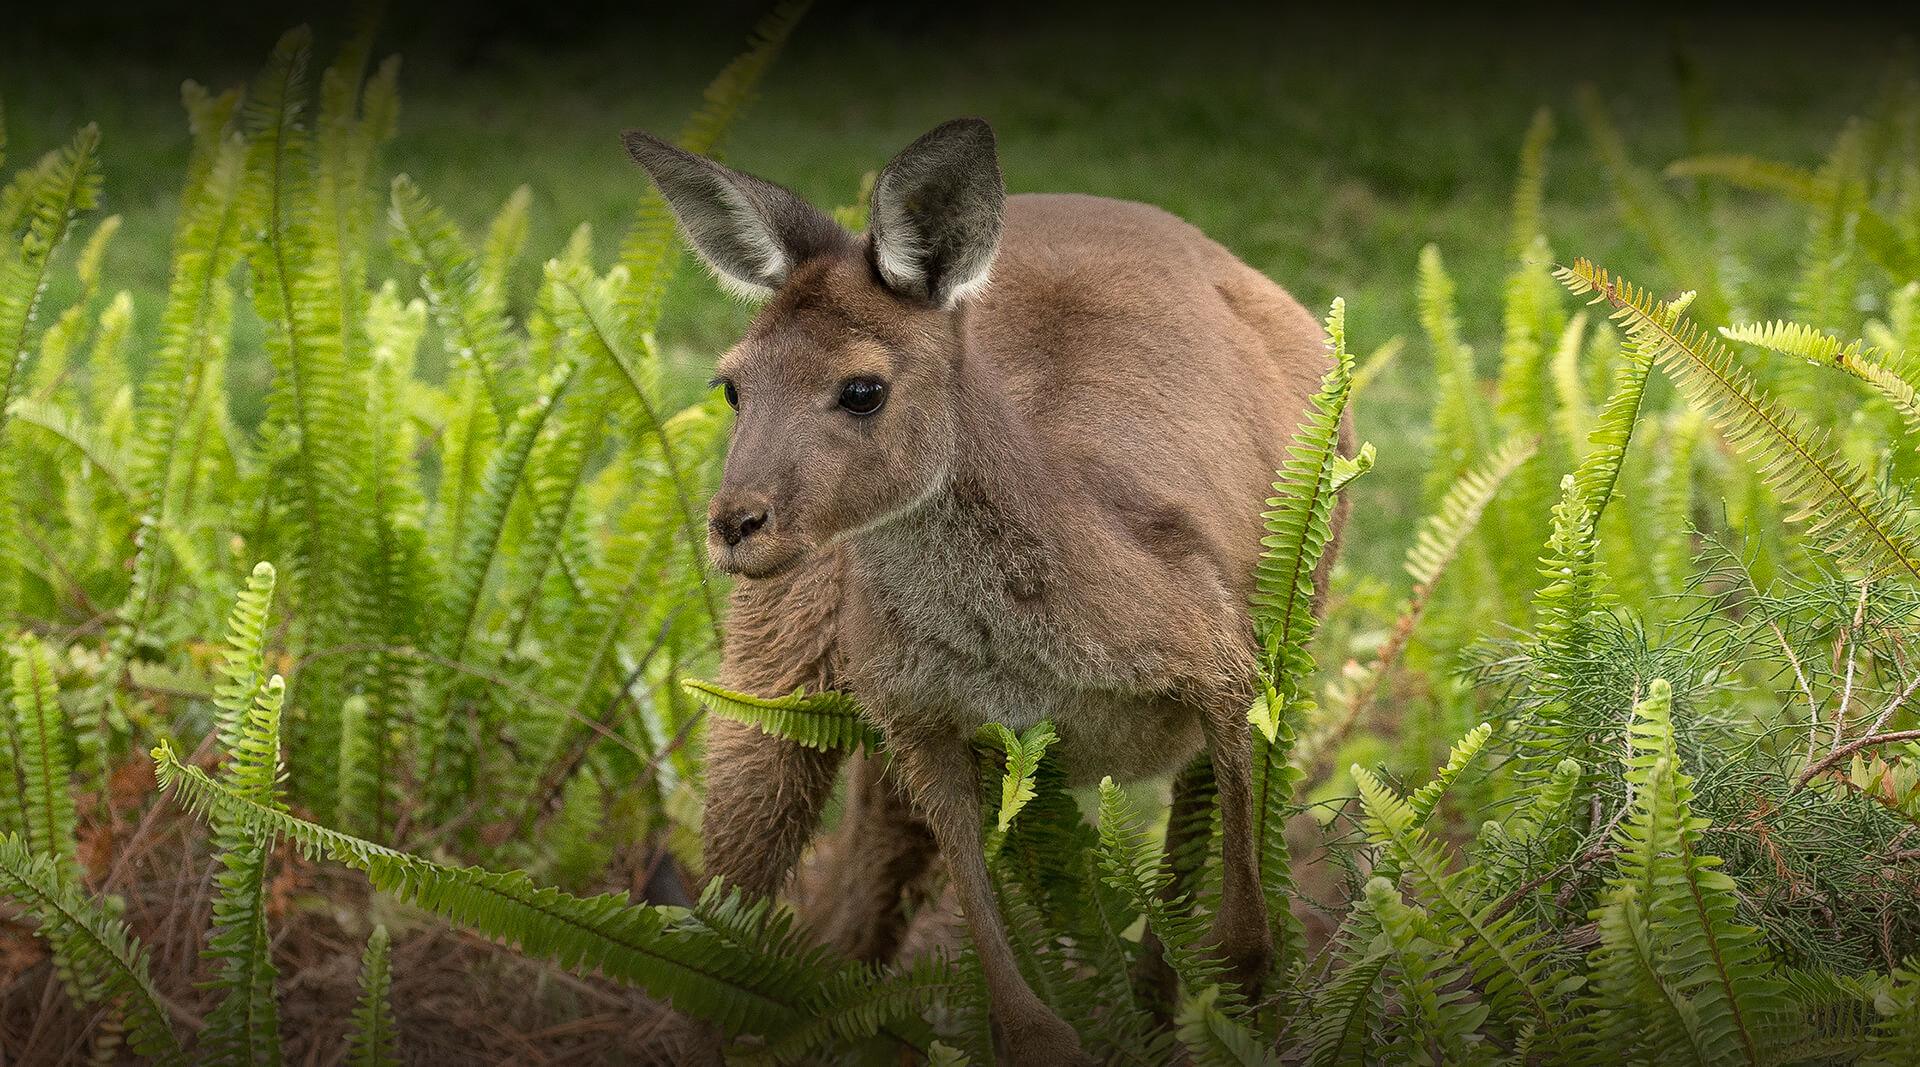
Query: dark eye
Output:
(863,396)
(732,394)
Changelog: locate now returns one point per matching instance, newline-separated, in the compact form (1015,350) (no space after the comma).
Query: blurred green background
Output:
(1324,151)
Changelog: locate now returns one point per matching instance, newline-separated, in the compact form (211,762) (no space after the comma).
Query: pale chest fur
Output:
(967,618)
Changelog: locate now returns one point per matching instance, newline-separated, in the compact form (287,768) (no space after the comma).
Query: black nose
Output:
(737,526)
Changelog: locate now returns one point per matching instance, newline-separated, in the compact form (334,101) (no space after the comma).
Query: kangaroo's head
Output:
(846,410)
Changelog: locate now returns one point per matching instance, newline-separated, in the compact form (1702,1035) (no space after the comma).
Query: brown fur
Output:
(1056,515)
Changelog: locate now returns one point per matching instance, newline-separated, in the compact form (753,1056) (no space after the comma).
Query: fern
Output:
(1870,365)
(43,737)
(1440,1015)
(1507,959)
(1460,417)
(506,239)
(1018,786)
(244,1027)
(1675,959)
(374,1041)
(1529,188)
(469,310)
(1299,524)
(763,981)
(649,252)
(1426,799)
(107,964)
(1130,864)
(1214,1039)
(68,185)
(1439,541)
(821,721)
(1842,509)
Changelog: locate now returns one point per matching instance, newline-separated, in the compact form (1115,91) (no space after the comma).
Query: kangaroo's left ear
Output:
(935,218)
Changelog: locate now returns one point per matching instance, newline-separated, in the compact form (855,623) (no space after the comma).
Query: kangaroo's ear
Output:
(751,232)
(935,217)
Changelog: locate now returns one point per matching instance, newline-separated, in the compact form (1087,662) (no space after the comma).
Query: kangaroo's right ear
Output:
(751,232)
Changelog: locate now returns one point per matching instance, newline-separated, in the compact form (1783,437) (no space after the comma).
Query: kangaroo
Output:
(998,459)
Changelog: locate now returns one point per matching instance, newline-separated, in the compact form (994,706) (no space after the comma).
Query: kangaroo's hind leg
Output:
(856,888)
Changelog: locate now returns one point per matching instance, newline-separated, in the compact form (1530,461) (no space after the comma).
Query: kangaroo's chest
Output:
(972,620)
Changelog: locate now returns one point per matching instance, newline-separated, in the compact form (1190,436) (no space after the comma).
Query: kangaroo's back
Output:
(1144,355)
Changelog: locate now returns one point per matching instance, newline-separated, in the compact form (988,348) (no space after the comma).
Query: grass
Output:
(1326,154)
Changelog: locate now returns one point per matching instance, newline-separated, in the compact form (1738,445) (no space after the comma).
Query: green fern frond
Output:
(819,720)
(1572,411)
(1017,786)
(470,311)
(1214,1039)
(1340,1031)
(1299,518)
(243,669)
(46,768)
(68,186)
(1507,958)
(1376,363)
(649,251)
(695,960)
(1840,506)
(1897,1034)
(374,1041)
(1698,975)
(1756,175)
(1870,365)
(506,239)
(1529,188)
(244,1027)
(105,961)
(1440,1015)
(589,314)
(1426,799)
(79,432)
(1130,863)
(1461,417)
(1454,520)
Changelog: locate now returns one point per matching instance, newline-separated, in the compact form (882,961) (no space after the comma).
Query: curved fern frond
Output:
(1214,1039)
(1756,175)
(649,251)
(1508,959)
(1606,444)
(97,950)
(1341,1030)
(1444,531)
(469,310)
(1870,365)
(68,184)
(1840,506)
(698,961)
(242,672)
(818,720)
(506,239)
(1426,799)
(1377,362)
(1440,1015)
(1024,752)
(374,1041)
(1130,863)
(46,769)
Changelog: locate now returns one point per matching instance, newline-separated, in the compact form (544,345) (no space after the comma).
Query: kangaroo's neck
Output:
(986,506)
